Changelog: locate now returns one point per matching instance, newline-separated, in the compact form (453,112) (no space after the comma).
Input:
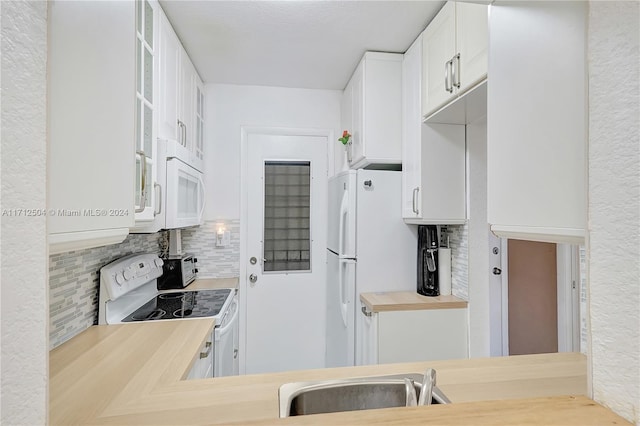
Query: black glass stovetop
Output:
(182,304)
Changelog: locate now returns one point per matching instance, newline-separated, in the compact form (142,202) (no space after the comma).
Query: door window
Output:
(287,198)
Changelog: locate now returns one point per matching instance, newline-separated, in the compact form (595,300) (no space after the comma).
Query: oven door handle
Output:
(220,332)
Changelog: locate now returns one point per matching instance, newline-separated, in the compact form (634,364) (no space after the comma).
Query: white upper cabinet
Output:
(169,79)
(537,121)
(455,46)
(146,112)
(92,122)
(433,156)
(187,98)
(199,122)
(180,90)
(371,105)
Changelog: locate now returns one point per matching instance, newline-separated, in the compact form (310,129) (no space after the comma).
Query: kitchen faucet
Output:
(428,382)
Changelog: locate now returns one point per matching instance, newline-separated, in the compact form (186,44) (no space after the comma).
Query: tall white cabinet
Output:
(371,111)
(433,155)
(537,121)
(92,122)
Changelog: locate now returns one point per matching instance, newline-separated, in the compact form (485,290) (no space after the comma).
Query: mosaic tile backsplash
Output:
(213,261)
(458,242)
(74,278)
(74,283)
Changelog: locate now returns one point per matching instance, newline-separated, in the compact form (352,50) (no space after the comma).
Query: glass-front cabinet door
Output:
(145,154)
(199,140)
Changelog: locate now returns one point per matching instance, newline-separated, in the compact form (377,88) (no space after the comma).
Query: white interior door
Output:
(286,183)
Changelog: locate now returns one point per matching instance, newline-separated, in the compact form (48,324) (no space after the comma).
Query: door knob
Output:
(253,278)
(497,271)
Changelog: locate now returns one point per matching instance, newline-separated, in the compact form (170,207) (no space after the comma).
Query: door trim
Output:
(568,294)
(245,132)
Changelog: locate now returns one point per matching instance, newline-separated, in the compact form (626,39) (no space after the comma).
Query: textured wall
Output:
(614,205)
(214,262)
(24,244)
(74,283)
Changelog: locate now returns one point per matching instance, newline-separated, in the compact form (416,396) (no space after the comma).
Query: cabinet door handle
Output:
(415,197)
(206,353)
(446,76)
(159,199)
(455,74)
(448,80)
(143,181)
(184,138)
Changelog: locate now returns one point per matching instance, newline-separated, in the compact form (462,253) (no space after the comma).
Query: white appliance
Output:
(226,338)
(370,249)
(183,204)
(129,294)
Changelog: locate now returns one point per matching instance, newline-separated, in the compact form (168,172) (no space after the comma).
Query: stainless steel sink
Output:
(362,393)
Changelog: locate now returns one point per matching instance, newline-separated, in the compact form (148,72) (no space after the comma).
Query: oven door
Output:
(225,343)
(185,195)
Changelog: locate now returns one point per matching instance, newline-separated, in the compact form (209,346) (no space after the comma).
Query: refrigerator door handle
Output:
(344,213)
(343,264)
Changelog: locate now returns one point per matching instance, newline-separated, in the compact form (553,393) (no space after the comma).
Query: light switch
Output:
(223,239)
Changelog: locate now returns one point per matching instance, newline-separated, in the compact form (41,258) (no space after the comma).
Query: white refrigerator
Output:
(370,249)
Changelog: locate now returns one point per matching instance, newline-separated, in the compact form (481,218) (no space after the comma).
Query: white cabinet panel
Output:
(433,163)
(169,78)
(92,86)
(428,335)
(439,46)
(472,39)
(181,108)
(412,336)
(357,114)
(455,49)
(537,118)
(187,99)
(374,95)
(411,129)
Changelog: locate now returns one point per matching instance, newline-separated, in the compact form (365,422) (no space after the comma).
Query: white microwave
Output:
(184,195)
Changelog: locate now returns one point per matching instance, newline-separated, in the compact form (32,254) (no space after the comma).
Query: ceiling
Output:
(304,44)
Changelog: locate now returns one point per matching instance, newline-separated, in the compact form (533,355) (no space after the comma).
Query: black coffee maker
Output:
(428,260)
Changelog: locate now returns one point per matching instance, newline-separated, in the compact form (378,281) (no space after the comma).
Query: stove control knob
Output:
(128,274)
(119,278)
(158,262)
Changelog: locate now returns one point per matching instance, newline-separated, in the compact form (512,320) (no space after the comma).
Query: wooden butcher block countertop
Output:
(132,374)
(213,283)
(408,301)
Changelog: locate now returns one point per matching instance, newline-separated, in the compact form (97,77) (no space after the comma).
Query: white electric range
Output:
(129,294)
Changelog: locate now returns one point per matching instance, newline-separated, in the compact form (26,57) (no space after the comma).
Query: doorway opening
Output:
(539,298)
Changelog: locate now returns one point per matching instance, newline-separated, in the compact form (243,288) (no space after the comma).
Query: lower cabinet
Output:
(412,335)
(203,365)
